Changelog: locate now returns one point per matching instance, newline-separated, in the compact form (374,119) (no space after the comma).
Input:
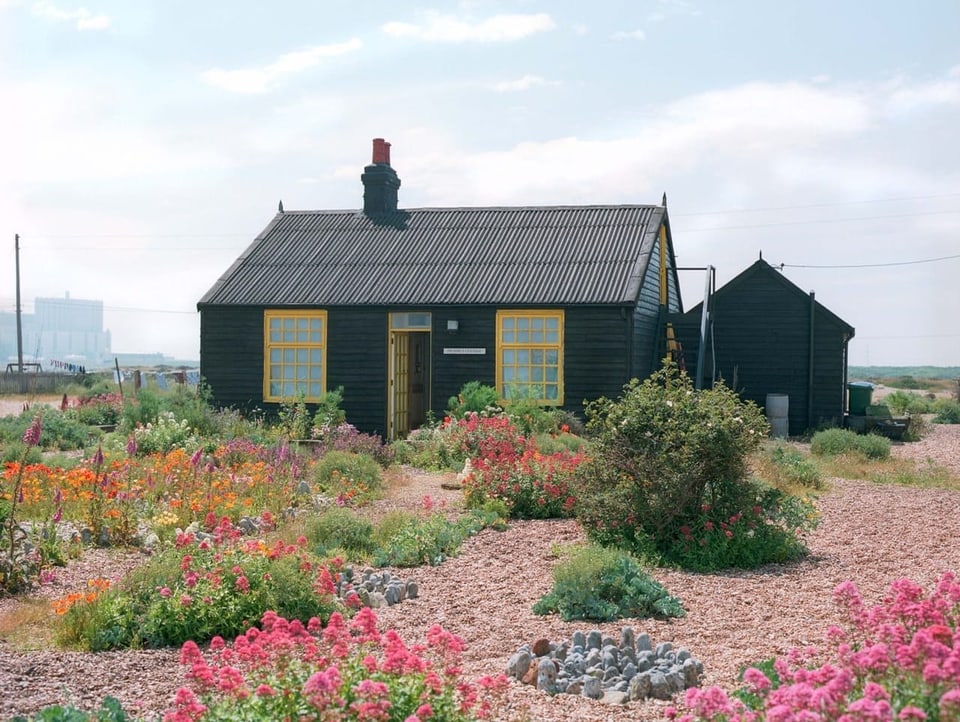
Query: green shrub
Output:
(198,591)
(662,456)
(329,415)
(17,451)
(347,475)
(835,442)
(902,402)
(531,418)
(165,434)
(792,468)
(475,397)
(548,444)
(339,528)
(406,540)
(139,410)
(110,711)
(770,532)
(947,411)
(605,584)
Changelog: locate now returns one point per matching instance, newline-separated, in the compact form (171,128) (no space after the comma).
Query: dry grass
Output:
(28,626)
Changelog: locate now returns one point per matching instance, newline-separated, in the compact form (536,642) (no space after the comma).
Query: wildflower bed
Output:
(869,534)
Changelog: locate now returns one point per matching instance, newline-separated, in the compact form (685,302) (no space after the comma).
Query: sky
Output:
(144,144)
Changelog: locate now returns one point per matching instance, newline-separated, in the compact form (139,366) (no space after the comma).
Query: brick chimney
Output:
(380,181)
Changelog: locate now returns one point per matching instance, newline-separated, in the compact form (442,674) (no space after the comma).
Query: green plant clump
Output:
(792,468)
(347,475)
(947,411)
(835,442)
(110,711)
(339,528)
(602,584)
(410,541)
(474,396)
(666,459)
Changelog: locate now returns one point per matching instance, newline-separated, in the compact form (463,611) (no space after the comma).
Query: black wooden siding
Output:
(596,356)
(761,343)
(647,324)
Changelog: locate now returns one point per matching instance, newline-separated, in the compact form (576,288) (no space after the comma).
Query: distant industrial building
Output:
(60,333)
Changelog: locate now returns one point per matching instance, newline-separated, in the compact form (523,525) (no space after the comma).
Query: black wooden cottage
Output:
(401,307)
(765,336)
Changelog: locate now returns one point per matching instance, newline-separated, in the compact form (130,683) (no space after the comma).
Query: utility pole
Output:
(16,243)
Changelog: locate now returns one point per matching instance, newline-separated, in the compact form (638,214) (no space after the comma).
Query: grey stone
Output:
(593,658)
(613,696)
(682,655)
(643,643)
(413,591)
(609,675)
(594,639)
(560,651)
(607,641)
(377,601)
(629,671)
(663,648)
(640,686)
(546,675)
(592,688)
(659,685)
(519,664)
(609,660)
(645,661)
(392,594)
(579,639)
(691,672)
(575,686)
(303,489)
(628,639)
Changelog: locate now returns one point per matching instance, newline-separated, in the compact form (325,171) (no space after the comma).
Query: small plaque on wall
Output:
(464,351)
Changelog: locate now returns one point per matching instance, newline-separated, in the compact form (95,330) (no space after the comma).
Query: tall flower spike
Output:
(31,437)
(98,457)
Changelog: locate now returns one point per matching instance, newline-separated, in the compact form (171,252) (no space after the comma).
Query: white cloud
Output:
(941,92)
(629,35)
(520,84)
(440,28)
(84,19)
(258,80)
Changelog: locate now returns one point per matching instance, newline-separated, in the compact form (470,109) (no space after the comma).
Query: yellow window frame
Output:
(530,355)
(294,354)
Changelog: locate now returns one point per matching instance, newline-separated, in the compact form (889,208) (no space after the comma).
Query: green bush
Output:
(329,415)
(473,396)
(605,584)
(17,451)
(902,402)
(339,528)
(834,442)
(664,455)
(110,711)
(165,434)
(947,411)
(792,468)
(348,474)
(548,444)
(406,540)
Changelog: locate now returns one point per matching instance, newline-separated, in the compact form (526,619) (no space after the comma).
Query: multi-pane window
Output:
(295,347)
(530,356)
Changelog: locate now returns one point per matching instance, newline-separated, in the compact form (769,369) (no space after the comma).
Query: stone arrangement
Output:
(374,589)
(600,667)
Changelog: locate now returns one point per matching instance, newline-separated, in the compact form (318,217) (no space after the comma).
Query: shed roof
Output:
(762,268)
(557,255)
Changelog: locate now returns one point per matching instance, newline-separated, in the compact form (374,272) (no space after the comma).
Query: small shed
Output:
(402,307)
(766,336)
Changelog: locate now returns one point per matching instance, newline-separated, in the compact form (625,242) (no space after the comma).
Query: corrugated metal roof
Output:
(558,255)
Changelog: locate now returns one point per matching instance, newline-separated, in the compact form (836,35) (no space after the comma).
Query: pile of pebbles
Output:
(374,589)
(600,667)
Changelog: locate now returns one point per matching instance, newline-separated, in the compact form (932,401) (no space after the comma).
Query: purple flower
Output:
(31,437)
(58,515)
(132,446)
(195,459)
(98,457)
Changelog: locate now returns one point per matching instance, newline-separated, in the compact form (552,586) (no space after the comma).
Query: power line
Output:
(817,205)
(816,220)
(875,265)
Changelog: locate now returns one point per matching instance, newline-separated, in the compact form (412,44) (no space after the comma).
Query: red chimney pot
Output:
(381,151)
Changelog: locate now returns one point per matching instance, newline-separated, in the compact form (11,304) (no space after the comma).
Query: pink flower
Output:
(912,713)
(164,592)
(31,437)
(242,584)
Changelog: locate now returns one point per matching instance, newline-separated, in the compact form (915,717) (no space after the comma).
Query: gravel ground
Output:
(869,534)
